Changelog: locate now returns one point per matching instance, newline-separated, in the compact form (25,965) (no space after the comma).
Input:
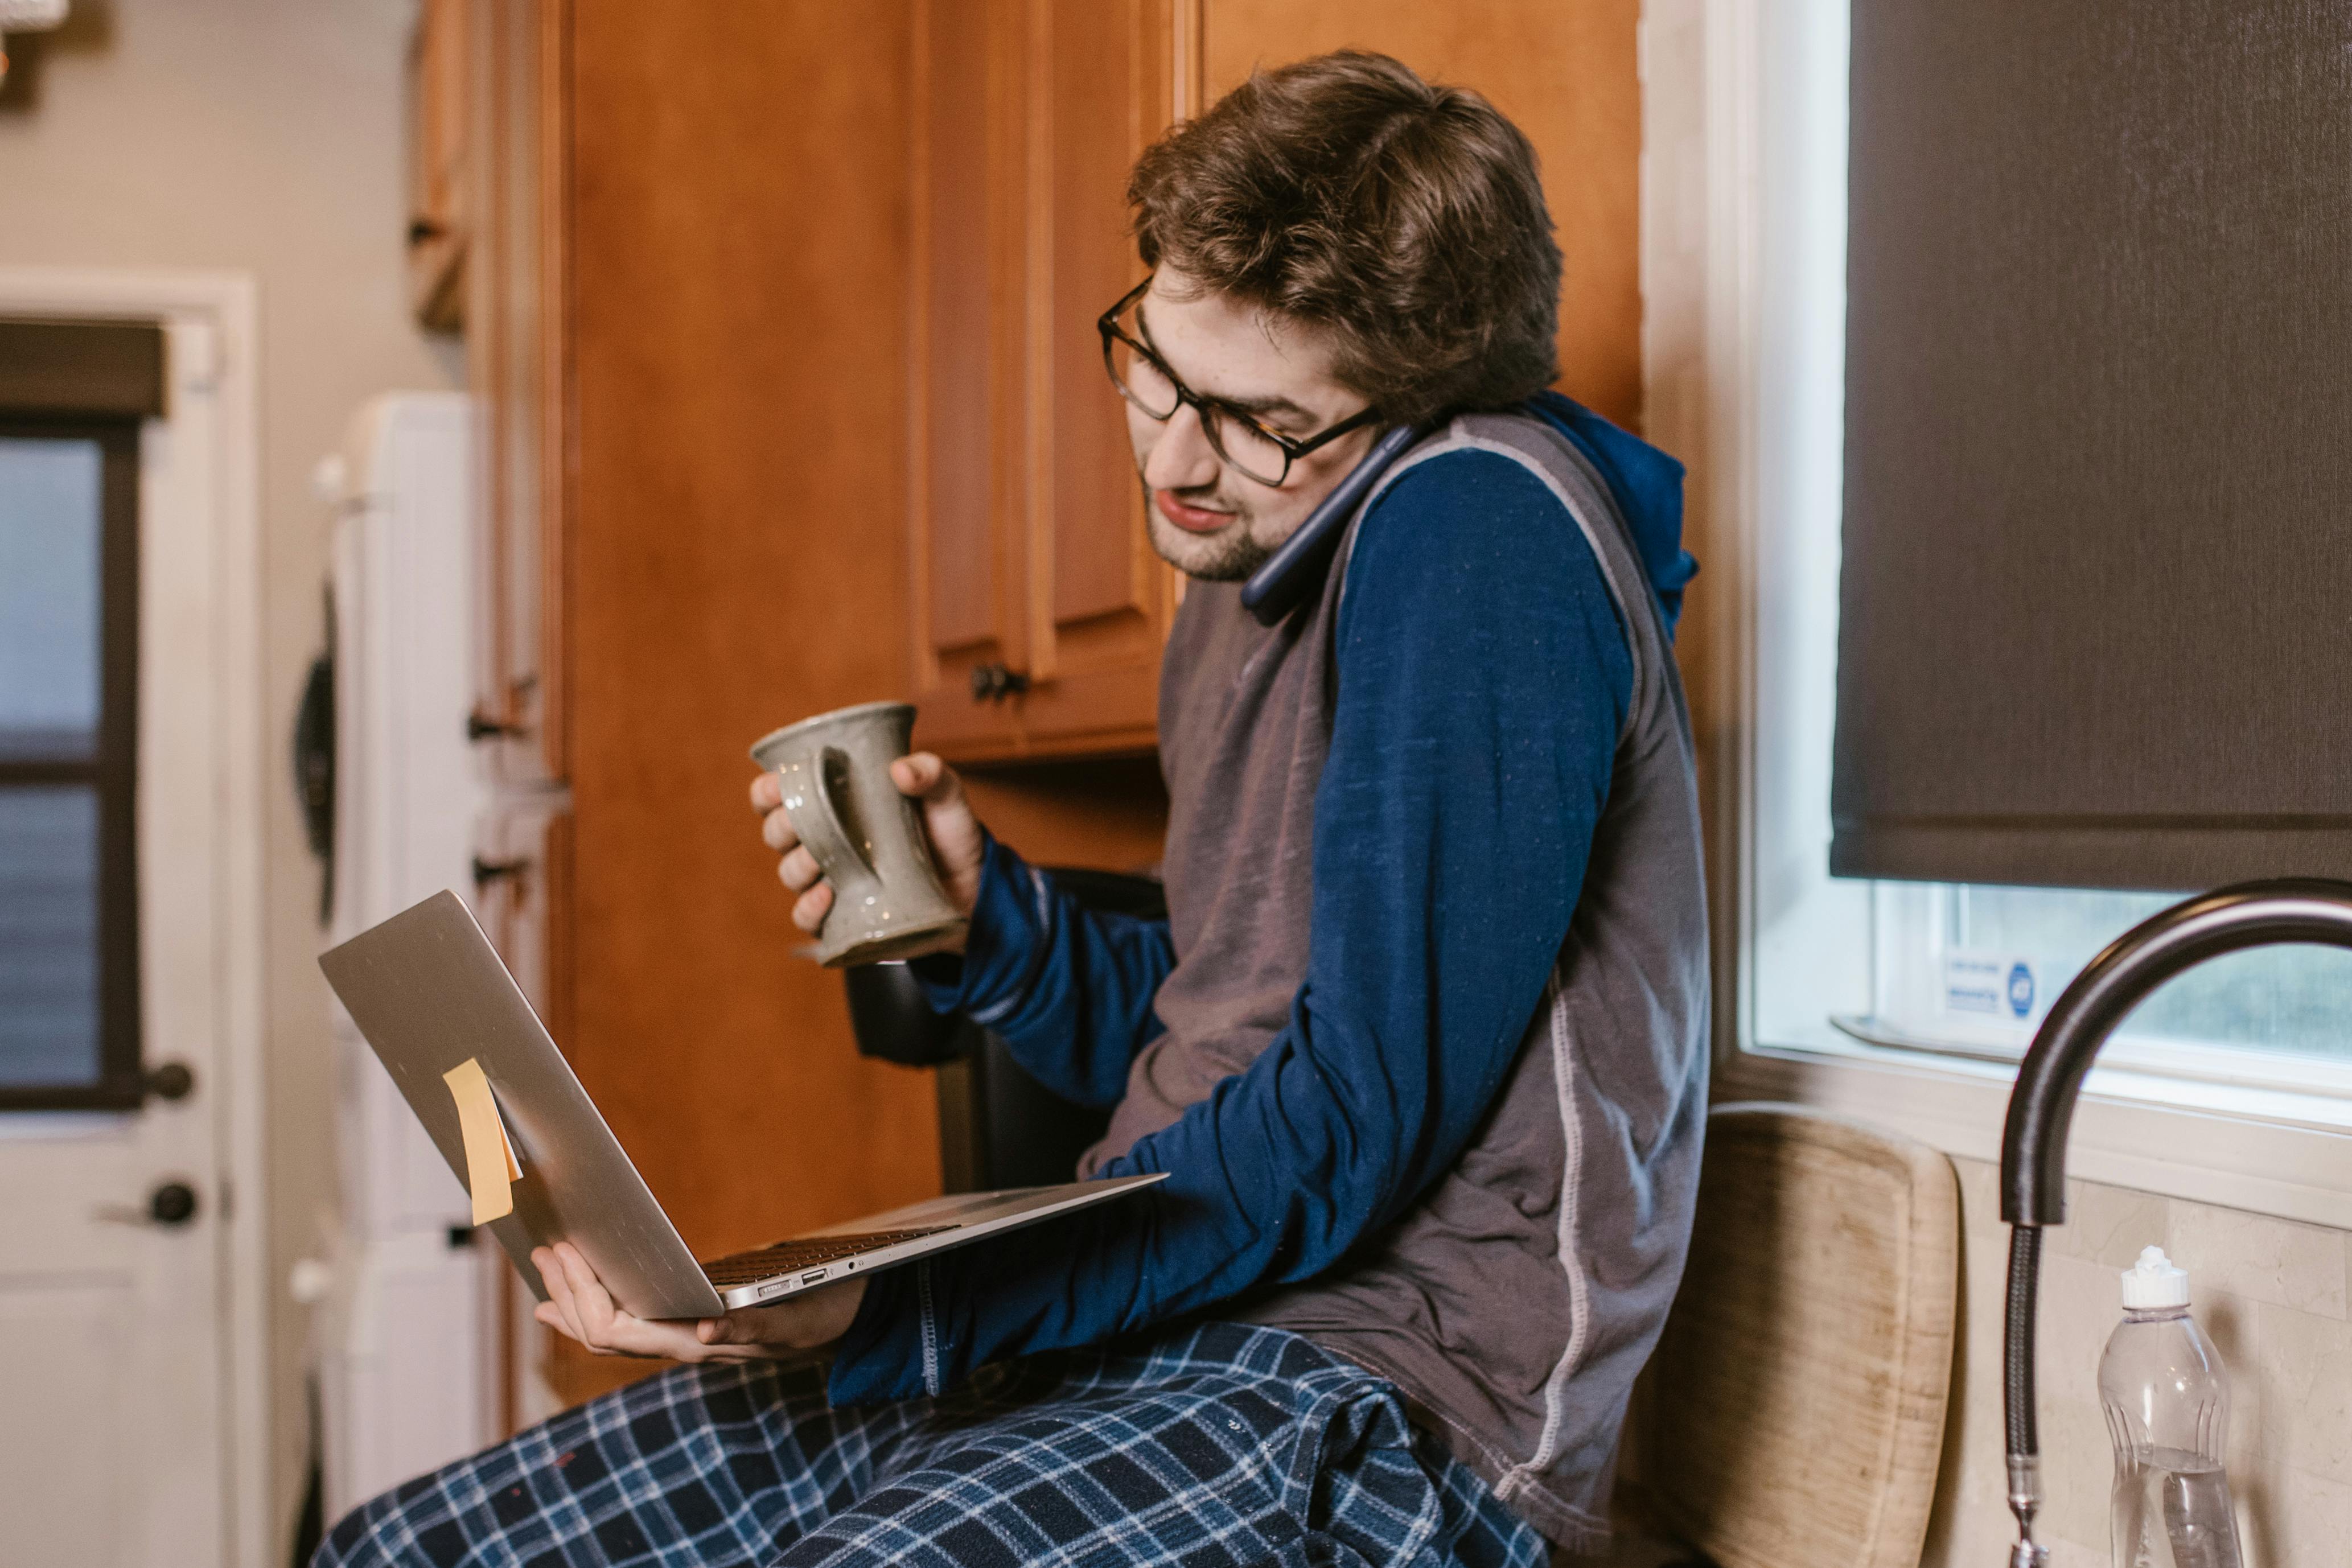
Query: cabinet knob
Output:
(994,682)
(487,871)
(480,725)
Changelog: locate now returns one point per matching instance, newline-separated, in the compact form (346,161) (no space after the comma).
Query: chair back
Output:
(1795,1406)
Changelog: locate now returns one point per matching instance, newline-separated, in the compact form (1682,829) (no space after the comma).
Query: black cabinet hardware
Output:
(994,682)
(489,871)
(480,725)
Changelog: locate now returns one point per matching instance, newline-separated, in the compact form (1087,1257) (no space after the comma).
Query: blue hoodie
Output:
(1476,615)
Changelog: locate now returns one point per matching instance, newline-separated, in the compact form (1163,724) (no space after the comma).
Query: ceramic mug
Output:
(868,838)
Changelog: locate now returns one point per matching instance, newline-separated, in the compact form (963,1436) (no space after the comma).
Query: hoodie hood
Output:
(1647,486)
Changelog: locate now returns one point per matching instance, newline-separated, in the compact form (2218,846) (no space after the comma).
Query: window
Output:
(1921,971)
(70,992)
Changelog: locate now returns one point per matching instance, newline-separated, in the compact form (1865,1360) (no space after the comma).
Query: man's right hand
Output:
(955,836)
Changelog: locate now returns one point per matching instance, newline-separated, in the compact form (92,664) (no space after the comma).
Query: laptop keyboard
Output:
(744,1268)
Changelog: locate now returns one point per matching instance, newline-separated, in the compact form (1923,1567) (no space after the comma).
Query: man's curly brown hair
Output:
(1404,218)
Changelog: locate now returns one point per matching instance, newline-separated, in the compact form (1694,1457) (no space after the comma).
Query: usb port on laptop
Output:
(813,1277)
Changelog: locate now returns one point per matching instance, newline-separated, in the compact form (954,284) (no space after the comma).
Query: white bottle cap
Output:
(2154,1282)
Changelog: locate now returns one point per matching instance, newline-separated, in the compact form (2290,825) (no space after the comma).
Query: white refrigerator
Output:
(407,1304)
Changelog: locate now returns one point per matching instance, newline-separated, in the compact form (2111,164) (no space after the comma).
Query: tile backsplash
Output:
(2270,1292)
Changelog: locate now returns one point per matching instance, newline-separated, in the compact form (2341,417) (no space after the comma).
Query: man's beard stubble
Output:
(1229,555)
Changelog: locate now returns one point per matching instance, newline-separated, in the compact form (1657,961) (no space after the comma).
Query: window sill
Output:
(2258,1149)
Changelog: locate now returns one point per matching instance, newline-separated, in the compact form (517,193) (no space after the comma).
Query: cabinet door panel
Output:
(968,550)
(961,423)
(741,289)
(1565,75)
(517,354)
(522,898)
(441,89)
(1109,75)
(1099,599)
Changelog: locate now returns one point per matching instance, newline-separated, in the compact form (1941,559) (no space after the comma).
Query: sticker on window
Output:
(1996,988)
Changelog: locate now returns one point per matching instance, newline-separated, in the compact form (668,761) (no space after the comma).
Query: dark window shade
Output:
(90,370)
(2096,596)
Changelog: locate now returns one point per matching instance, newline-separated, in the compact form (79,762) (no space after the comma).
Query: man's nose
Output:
(1181,459)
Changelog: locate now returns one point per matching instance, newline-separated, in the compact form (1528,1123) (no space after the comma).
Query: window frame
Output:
(120,1080)
(1715,72)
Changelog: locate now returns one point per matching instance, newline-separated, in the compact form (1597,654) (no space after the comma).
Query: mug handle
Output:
(808,804)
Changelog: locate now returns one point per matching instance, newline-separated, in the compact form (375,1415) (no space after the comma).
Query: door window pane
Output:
(49,936)
(51,583)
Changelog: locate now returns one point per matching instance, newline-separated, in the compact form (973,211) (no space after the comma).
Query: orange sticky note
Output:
(490,1165)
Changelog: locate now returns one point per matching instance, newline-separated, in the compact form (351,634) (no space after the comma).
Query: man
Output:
(1421,1045)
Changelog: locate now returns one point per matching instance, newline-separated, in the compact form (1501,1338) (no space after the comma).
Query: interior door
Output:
(113,1429)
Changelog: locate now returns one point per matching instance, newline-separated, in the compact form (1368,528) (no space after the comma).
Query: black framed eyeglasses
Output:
(1144,380)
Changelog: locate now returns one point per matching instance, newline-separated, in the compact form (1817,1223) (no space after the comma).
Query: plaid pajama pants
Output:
(1217,1443)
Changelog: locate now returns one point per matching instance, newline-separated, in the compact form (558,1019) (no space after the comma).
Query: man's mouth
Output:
(1192,520)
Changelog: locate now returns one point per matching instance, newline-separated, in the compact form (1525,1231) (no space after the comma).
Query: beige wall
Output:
(264,136)
(2273,1296)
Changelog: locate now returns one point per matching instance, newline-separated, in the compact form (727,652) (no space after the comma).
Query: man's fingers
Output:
(922,775)
(767,1330)
(555,1271)
(559,1292)
(799,869)
(579,1307)
(776,830)
(808,913)
(591,1303)
(607,1329)
(767,793)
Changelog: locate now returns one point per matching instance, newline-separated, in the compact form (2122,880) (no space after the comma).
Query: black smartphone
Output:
(1298,564)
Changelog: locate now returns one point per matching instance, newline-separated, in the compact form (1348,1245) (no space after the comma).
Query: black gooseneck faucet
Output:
(2034,1143)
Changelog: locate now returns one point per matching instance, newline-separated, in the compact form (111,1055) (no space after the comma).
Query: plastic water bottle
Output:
(2167,1399)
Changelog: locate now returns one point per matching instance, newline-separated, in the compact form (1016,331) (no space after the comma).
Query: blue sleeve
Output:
(1482,679)
(1069,988)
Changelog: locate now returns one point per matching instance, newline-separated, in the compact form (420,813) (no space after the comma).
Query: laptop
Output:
(429,993)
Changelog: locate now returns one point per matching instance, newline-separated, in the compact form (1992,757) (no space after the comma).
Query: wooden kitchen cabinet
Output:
(516,143)
(785,336)
(522,879)
(1027,551)
(439,215)
(517,357)
(1566,74)
(729,540)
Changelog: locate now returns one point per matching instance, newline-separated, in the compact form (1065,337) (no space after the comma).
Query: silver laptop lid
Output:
(428,991)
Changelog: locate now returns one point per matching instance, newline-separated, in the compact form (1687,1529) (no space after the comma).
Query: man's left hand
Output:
(579,1306)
